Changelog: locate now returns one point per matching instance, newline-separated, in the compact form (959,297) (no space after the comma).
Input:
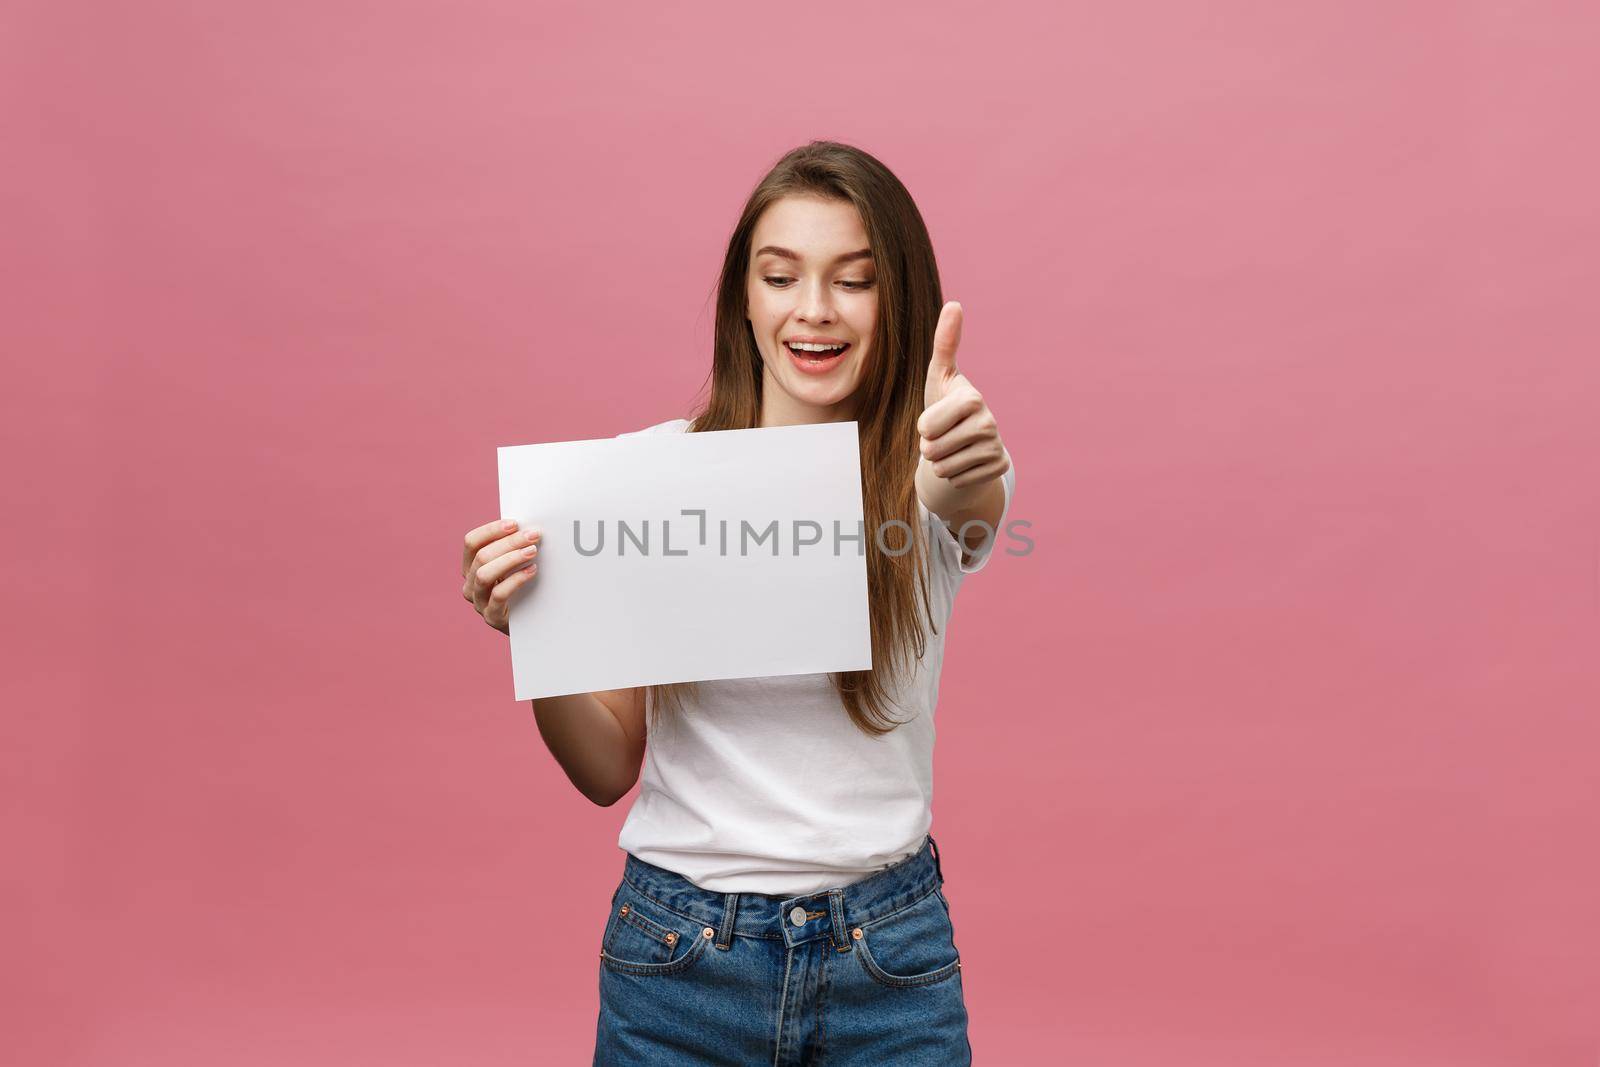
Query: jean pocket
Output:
(913,947)
(643,938)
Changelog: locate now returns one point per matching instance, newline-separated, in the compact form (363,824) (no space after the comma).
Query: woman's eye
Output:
(780,281)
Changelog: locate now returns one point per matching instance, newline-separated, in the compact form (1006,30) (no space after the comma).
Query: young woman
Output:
(780,900)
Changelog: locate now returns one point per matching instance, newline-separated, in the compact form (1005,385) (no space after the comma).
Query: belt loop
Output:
(841,942)
(937,866)
(730,905)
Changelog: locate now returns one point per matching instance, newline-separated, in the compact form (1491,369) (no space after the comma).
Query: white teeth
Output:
(802,346)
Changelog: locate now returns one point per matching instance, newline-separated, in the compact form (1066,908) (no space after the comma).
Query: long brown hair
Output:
(888,398)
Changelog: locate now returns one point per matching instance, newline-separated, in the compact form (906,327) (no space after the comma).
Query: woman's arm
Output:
(984,502)
(597,738)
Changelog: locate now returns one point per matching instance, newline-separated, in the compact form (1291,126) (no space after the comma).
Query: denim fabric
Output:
(870,974)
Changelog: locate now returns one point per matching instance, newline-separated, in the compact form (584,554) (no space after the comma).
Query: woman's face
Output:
(811,286)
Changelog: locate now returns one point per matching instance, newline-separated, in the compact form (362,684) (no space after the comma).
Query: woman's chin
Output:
(822,392)
(818,395)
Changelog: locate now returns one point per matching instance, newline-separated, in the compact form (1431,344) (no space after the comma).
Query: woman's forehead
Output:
(810,228)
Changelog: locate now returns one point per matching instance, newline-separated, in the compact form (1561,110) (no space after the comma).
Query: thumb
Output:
(946,339)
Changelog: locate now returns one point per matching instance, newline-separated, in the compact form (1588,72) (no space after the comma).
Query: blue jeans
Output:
(863,974)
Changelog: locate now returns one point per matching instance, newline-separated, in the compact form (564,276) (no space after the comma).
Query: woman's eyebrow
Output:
(774,250)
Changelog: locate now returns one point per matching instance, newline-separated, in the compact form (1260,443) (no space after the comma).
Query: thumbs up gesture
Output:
(960,440)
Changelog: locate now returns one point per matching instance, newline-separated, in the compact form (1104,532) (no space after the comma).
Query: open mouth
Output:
(816,357)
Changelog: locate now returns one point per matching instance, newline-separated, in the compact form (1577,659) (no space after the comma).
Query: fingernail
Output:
(509,524)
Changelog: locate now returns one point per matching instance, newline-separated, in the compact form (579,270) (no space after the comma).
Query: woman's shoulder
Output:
(670,426)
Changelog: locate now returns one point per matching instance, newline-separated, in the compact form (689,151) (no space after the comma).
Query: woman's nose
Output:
(816,304)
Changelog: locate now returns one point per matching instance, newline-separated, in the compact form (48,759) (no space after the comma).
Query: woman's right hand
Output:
(496,561)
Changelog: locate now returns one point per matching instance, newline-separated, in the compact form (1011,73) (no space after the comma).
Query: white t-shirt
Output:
(765,785)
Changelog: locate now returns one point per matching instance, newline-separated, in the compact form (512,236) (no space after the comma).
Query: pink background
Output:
(1279,749)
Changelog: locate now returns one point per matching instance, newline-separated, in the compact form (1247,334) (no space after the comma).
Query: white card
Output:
(772,580)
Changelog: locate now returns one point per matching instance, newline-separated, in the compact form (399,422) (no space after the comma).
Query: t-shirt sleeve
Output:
(944,538)
(670,426)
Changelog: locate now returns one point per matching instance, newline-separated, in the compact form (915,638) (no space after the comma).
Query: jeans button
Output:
(798,916)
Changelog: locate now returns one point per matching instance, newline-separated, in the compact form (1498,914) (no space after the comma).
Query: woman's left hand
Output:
(960,439)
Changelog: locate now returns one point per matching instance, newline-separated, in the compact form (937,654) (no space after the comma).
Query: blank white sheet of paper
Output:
(681,557)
